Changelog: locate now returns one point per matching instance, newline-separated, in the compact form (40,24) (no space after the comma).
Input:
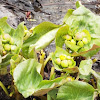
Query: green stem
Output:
(42,62)
(77,76)
(95,74)
(52,74)
(4,88)
(93,83)
(47,59)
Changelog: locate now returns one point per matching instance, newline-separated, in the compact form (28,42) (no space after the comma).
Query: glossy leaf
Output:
(85,67)
(75,90)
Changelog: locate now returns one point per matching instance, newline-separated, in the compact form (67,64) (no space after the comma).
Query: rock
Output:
(11,17)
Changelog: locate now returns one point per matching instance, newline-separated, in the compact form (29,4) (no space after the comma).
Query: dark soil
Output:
(40,10)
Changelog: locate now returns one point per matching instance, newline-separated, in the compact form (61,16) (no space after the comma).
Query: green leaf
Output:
(97,76)
(64,31)
(87,52)
(26,76)
(82,18)
(28,79)
(1,47)
(56,54)
(91,53)
(43,34)
(14,61)
(52,94)
(18,36)
(5,26)
(72,46)
(85,67)
(78,4)
(68,14)
(44,40)
(85,77)
(46,85)
(75,90)
(98,85)
(60,35)
(5,60)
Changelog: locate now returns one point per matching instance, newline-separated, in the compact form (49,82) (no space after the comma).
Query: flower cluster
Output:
(64,61)
(7,43)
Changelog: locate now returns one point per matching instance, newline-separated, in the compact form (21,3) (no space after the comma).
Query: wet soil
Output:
(40,10)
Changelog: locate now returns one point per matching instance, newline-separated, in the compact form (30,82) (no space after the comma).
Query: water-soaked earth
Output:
(40,10)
